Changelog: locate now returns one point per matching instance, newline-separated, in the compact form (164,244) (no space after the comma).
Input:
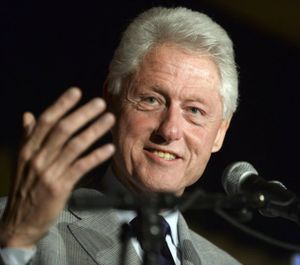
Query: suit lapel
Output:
(98,232)
(189,254)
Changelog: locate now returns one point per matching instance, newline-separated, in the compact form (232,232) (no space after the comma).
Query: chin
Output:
(165,189)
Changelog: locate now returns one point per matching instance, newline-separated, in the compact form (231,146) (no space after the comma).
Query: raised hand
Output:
(50,164)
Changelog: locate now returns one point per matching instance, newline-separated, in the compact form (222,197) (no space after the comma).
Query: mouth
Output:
(166,155)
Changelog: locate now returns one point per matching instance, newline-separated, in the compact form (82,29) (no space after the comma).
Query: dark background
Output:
(47,47)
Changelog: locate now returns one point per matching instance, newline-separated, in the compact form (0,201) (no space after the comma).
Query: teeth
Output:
(166,156)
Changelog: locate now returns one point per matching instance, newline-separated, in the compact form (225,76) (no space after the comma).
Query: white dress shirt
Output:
(16,256)
(111,184)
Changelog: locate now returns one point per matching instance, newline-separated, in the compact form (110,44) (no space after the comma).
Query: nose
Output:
(170,127)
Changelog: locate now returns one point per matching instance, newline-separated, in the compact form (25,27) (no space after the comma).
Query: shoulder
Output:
(62,243)
(82,203)
(211,251)
(208,253)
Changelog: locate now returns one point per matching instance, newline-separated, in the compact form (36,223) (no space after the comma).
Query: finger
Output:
(87,163)
(28,123)
(49,118)
(66,128)
(24,175)
(80,144)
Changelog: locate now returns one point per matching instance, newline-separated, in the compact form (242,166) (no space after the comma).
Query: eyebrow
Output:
(191,97)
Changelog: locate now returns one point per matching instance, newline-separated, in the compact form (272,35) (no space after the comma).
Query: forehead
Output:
(168,64)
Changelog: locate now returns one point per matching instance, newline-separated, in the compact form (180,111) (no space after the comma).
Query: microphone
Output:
(242,177)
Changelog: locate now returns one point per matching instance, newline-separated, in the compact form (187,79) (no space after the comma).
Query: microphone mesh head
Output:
(234,174)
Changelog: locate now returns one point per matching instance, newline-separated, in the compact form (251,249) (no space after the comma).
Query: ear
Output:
(221,135)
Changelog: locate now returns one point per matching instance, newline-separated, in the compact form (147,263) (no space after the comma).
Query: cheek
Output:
(133,123)
(200,143)
(135,127)
(200,138)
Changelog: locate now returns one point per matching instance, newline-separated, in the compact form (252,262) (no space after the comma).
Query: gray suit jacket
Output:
(90,237)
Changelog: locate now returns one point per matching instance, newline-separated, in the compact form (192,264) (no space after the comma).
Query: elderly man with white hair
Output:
(169,96)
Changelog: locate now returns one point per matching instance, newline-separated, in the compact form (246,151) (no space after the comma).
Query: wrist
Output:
(10,239)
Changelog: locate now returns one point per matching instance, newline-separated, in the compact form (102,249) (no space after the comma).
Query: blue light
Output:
(296,259)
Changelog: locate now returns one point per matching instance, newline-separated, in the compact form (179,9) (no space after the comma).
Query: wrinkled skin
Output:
(169,122)
(50,164)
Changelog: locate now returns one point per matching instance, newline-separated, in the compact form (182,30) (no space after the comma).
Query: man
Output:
(172,89)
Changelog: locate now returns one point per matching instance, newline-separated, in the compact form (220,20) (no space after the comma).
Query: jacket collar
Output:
(189,255)
(98,231)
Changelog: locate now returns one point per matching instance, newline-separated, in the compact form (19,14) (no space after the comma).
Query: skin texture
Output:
(50,164)
(168,122)
(171,104)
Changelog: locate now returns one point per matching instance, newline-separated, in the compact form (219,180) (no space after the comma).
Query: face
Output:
(169,121)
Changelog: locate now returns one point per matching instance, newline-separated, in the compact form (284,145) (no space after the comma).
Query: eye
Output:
(195,110)
(195,115)
(149,103)
(150,100)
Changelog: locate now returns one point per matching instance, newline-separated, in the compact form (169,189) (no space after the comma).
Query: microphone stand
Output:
(151,234)
(152,238)
(196,200)
(149,206)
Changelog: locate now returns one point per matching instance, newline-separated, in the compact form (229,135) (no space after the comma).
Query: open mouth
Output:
(163,154)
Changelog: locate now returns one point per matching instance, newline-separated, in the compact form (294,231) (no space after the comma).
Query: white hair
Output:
(189,29)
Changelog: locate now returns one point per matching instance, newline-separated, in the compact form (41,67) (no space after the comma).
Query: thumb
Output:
(28,123)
